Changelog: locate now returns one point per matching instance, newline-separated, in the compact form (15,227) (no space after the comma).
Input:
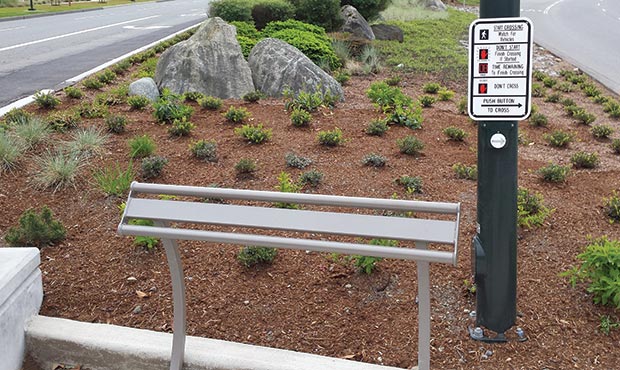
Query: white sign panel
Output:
(500,68)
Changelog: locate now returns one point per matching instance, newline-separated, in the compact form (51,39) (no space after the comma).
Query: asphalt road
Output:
(586,33)
(44,52)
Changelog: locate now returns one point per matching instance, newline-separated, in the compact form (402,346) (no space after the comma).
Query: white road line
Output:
(145,27)
(12,29)
(547,9)
(74,33)
(604,10)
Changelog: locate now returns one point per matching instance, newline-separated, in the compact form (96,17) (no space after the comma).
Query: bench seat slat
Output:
(433,231)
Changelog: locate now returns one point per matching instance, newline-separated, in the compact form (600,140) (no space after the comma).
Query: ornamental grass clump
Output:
(57,170)
(36,229)
(11,151)
(35,131)
(87,142)
(113,180)
(538,120)
(410,145)
(141,146)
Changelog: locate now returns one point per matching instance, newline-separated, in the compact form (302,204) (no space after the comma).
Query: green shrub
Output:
(138,102)
(168,109)
(572,110)
(247,44)
(386,97)
(431,88)
(564,87)
(308,101)
(539,75)
(312,178)
(295,25)
(454,133)
(427,101)
(463,171)
(367,264)
(106,76)
(236,115)
(297,161)
(584,117)
(612,205)
(549,81)
(16,116)
(246,29)
(406,116)
(87,142)
(369,9)
(205,150)
(567,102)
(323,13)
(31,133)
(210,103)
(122,66)
(141,146)
(342,49)
(253,96)
(601,131)
(554,173)
(370,58)
(331,138)
(73,92)
(538,90)
(393,80)
(181,127)
(377,127)
(313,46)
(265,11)
(287,185)
(87,110)
(559,139)
(461,106)
(530,209)
(412,184)
(35,229)
(245,166)
(46,100)
(11,151)
(615,146)
(600,99)
(374,160)
(600,270)
(113,180)
(445,95)
(63,121)
(300,117)
(249,256)
(612,108)
(342,76)
(152,166)
(255,134)
(584,160)
(231,10)
(576,78)
(589,89)
(194,96)
(607,324)
(553,98)
(92,83)
(114,96)
(116,124)
(410,145)
(538,120)
(57,170)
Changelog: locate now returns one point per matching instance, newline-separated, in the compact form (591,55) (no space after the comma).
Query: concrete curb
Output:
(106,347)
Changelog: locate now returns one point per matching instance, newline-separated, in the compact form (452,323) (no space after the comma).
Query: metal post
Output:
(178,298)
(495,245)
(424,313)
(31,6)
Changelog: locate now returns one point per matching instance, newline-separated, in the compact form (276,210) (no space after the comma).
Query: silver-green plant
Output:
(57,169)
(87,142)
(32,132)
(11,150)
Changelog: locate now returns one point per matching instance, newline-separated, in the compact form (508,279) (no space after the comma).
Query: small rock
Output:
(348,286)
(132,279)
(153,289)
(137,310)
(246,302)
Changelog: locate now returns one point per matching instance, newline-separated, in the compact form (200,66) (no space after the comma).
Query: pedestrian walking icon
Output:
(484,34)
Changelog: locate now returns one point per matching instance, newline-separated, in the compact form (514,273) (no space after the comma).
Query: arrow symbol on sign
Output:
(502,105)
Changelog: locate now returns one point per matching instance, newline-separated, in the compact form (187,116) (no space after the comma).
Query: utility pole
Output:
(499,96)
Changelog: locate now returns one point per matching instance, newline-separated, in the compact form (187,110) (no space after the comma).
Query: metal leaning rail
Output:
(169,215)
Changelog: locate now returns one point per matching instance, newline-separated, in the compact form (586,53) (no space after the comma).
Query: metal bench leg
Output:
(424,313)
(178,298)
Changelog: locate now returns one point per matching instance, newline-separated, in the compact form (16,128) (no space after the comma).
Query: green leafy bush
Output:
(116,124)
(250,256)
(73,92)
(367,264)
(313,46)
(194,96)
(141,146)
(297,161)
(559,139)
(122,66)
(210,103)
(455,133)
(549,81)
(554,173)
(265,11)
(601,131)
(87,110)
(247,44)
(461,106)
(427,101)
(589,89)
(607,324)
(113,180)
(181,127)
(253,96)
(46,100)
(431,87)
(538,90)
(444,94)
(564,87)
(236,115)
(612,108)
(16,116)
(308,101)
(205,150)
(231,10)
(539,75)
(538,120)
(11,151)
(553,98)
(92,83)
(584,160)
(245,166)
(615,146)
(412,184)
(567,102)
(406,116)
(300,117)
(369,9)
(286,185)
(323,13)
(410,145)
(63,120)
(374,160)
(331,138)
(106,76)
(342,76)
(138,102)
(35,229)
(168,109)
(255,134)
(584,117)
(612,205)
(152,166)
(530,209)
(463,171)
(377,127)
(387,97)
(600,270)
(312,178)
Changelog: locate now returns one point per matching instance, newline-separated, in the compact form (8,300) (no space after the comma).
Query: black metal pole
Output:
(495,245)
(31,6)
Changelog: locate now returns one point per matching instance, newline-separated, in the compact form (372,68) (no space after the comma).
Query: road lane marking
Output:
(547,9)
(12,29)
(75,33)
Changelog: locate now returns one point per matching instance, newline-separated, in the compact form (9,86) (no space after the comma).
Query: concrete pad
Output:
(107,347)
(21,295)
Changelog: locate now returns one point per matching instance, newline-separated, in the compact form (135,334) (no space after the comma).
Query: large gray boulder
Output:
(144,87)
(435,5)
(355,23)
(277,65)
(209,62)
(387,32)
